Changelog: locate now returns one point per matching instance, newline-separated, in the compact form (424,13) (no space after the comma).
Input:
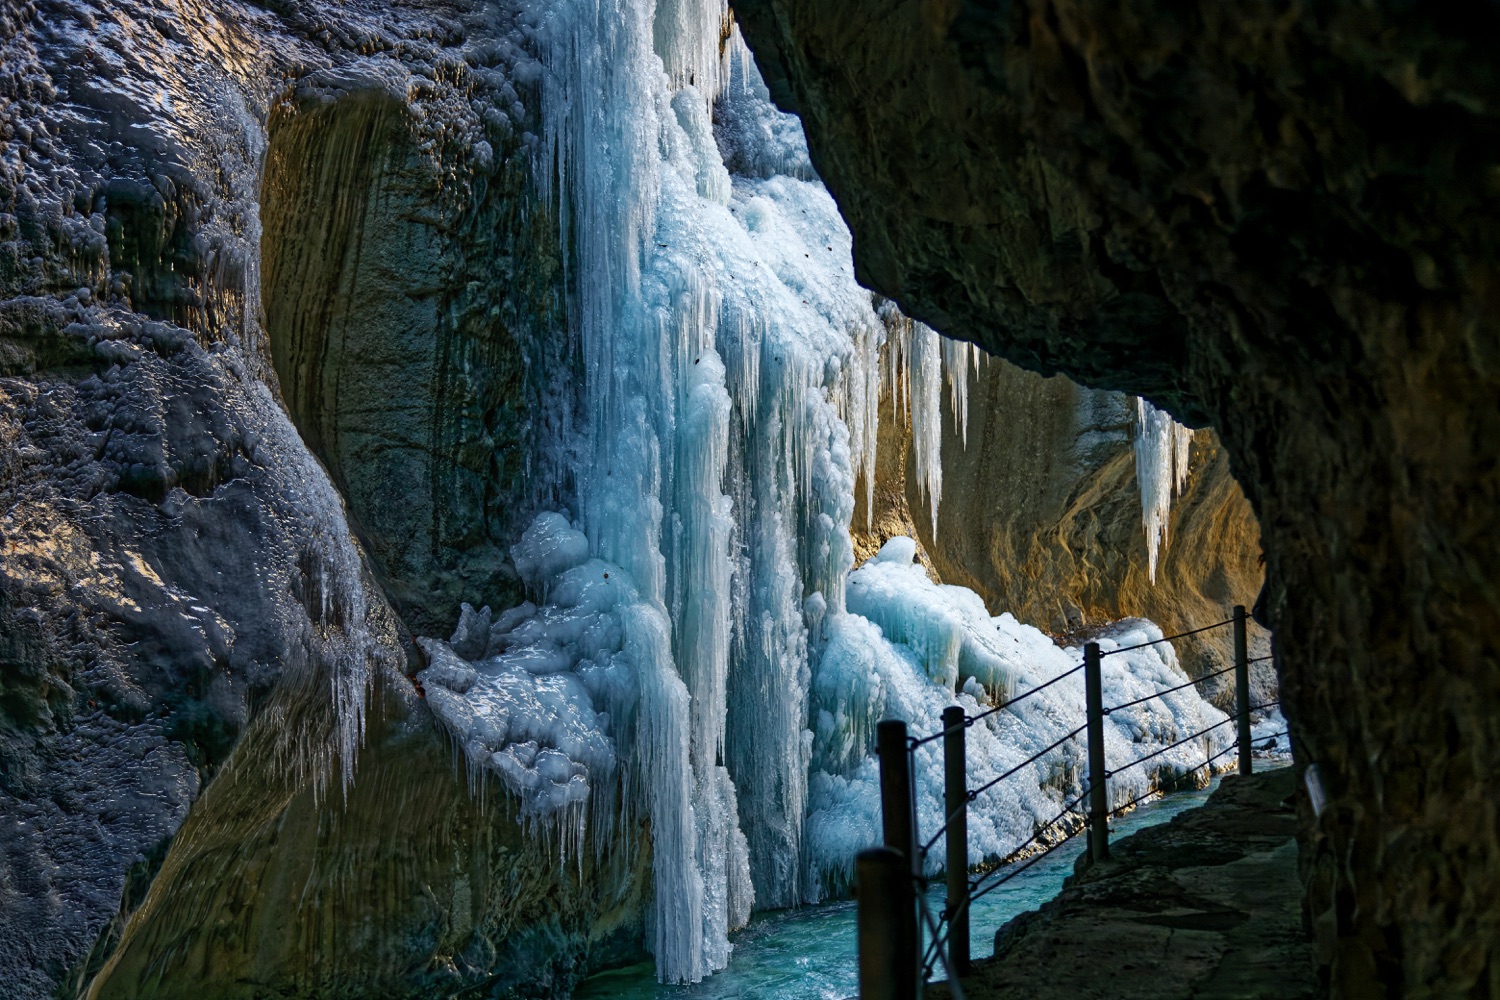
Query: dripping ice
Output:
(1162,450)
(695,650)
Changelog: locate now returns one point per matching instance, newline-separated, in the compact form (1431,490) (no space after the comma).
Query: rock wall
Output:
(399,308)
(1041,515)
(415,884)
(1278,220)
(266,288)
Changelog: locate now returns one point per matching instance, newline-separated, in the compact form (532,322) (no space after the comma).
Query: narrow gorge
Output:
(470,490)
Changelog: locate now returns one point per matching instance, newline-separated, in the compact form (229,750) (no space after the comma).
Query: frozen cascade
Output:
(914,648)
(696,653)
(1162,448)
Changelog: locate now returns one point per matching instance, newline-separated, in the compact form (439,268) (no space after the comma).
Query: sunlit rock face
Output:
(264,275)
(402,281)
(1041,515)
(1280,222)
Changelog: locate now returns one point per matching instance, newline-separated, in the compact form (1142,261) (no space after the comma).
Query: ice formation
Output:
(1162,448)
(916,357)
(916,648)
(689,611)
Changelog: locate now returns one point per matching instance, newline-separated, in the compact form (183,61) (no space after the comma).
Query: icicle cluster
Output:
(1162,447)
(917,357)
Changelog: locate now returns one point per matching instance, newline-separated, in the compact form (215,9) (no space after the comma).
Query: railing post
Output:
(956,807)
(1093,687)
(887,970)
(898,823)
(1242,686)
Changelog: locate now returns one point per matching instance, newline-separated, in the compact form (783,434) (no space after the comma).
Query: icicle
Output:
(1162,448)
(688,36)
(957,356)
(926,396)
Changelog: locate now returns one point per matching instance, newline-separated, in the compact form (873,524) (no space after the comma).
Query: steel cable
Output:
(1170,746)
(1168,638)
(969,720)
(1200,680)
(974,793)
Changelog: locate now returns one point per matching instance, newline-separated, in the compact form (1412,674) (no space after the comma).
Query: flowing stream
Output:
(809,953)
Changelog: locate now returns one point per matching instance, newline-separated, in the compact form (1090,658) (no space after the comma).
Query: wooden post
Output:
(899,825)
(1242,686)
(887,970)
(1093,688)
(956,806)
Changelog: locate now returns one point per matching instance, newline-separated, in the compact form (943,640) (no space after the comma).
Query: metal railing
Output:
(894,915)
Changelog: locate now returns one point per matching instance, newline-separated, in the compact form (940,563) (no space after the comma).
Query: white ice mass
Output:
(696,651)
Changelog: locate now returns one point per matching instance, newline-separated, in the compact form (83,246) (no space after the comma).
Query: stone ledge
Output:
(1205,906)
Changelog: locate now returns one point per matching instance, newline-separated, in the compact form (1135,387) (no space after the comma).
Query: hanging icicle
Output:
(1162,448)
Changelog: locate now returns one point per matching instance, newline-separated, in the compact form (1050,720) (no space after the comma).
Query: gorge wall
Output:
(1281,221)
(267,285)
(290,351)
(1041,515)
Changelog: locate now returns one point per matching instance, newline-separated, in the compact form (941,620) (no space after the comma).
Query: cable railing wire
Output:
(953,984)
(1168,638)
(1149,697)
(1171,746)
(969,720)
(1018,869)
(1177,777)
(973,793)
(941,929)
(1070,807)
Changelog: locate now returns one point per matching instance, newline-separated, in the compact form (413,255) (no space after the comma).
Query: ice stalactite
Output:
(916,356)
(1162,449)
(716,316)
(958,357)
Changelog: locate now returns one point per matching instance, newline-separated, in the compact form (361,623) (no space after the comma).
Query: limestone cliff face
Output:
(1279,220)
(266,284)
(402,286)
(1041,516)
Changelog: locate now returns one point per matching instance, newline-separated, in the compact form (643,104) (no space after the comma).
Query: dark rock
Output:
(1282,221)
(193,587)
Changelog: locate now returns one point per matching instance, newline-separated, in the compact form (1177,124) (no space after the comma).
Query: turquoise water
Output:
(809,953)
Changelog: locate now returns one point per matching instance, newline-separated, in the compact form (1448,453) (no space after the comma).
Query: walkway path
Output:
(1206,907)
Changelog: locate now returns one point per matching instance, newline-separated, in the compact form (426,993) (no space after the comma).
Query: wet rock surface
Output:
(1207,906)
(1281,221)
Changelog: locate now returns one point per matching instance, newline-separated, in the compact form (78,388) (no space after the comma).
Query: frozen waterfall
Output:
(696,653)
